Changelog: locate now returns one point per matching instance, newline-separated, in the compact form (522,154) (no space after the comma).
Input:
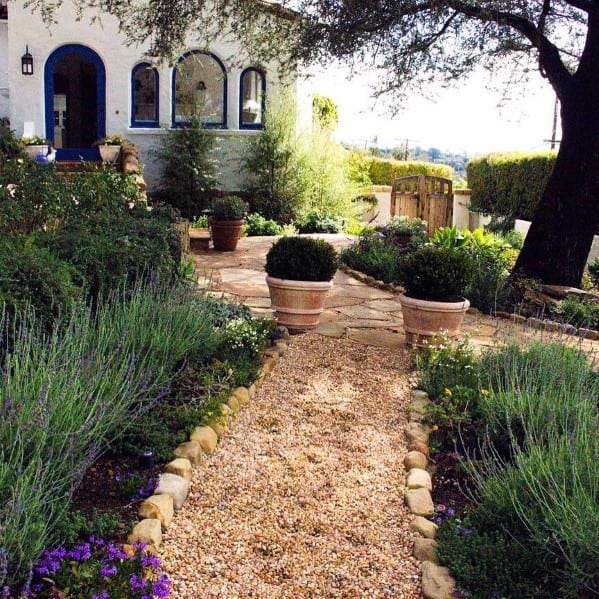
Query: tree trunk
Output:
(566,219)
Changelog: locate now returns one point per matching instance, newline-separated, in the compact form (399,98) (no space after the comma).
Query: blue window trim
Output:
(209,124)
(49,67)
(154,122)
(259,125)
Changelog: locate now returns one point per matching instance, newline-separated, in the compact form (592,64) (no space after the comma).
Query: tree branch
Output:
(550,61)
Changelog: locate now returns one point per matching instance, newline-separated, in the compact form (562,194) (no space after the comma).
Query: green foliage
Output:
(578,312)
(400,225)
(489,562)
(67,397)
(274,163)
(372,255)
(533,464)
(594,271)
(435,273)
(509,185)
(32,277)
(443,365)
(357,166)
(256,224)
(326,112)
(228,208)
(10,146)
(114,249)
(302,259)
(316,222)
(382,172)
(189,173)
(79,526)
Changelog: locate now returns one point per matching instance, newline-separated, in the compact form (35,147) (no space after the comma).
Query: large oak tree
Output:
(418,43)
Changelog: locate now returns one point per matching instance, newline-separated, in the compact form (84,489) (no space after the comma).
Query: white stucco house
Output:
(85,82)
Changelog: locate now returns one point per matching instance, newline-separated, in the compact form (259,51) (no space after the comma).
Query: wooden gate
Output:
(428,198)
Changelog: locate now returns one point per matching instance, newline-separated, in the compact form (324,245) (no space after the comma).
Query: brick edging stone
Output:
(156,512)
(437,582)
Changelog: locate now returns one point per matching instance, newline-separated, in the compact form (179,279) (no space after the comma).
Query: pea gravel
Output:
(304,496)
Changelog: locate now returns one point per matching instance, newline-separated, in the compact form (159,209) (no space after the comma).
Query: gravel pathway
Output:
(304,495)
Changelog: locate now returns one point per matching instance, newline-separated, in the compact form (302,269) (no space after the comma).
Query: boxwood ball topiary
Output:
(302,259)
(435,273)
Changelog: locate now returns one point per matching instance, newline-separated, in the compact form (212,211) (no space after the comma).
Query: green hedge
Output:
(382,172)
(509,184)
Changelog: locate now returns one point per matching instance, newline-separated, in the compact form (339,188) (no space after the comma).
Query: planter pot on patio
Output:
(37,150)
(423,319)
(109,153)
(298,304)
(226,234)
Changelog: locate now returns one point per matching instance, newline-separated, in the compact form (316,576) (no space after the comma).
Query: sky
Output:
(466,119)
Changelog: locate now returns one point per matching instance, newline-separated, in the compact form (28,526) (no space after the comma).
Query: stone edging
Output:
(157,511)
(368,280)
(550,325)
(437,582)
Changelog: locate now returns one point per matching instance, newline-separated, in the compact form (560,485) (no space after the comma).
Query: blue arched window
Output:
(144,96)
(200,90)
(252,96)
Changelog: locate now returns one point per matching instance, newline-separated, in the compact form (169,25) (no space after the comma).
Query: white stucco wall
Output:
(4,107)
(27,93)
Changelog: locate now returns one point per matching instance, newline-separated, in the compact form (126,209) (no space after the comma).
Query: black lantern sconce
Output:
(27,62)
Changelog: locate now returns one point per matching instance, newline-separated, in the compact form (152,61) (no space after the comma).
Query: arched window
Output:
(200,90)
(252,93)
(144,96)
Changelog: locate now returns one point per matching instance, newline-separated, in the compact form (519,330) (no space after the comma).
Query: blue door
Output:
(75,101)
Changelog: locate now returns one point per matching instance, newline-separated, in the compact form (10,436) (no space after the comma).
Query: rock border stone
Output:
(437,582)
(156,512)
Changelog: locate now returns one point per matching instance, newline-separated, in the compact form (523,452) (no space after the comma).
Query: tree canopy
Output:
(416,43)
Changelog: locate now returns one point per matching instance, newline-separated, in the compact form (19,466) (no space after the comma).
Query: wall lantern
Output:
(27,62)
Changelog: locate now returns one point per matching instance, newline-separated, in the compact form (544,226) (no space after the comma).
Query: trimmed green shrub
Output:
(315,222)
(509,185)
(302,259)
(382,172)
(33,277)
(228,208)
(435,273)
(10,146)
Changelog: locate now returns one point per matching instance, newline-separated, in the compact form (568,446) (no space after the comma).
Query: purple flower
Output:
(108,571)
(150,561)
(81,553)
(103,595)
(113,552)
(162,588)
(439,520)
(137,582)
(450,512)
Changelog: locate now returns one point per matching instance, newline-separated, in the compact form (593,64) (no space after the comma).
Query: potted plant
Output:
(400,230)
(299,275)
(110,147)
(434,279)
(36,146)
(226,222)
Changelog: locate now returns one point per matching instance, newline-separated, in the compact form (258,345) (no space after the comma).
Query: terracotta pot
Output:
(298,304)
(226,234)
(109,153)
(423,319)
